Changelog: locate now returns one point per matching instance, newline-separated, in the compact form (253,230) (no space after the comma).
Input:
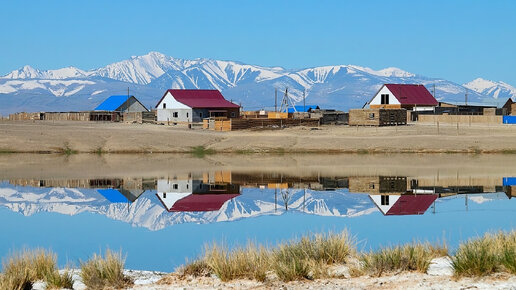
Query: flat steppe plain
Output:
(82,137)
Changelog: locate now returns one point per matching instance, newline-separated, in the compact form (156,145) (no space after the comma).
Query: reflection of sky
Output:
(78,236)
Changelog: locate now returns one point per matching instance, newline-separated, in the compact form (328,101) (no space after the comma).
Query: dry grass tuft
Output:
(59,281)
(22,269)
(105,272)
(306,258)
(309,257)
(486,255)
(410,257)
(250,262)
(196,268)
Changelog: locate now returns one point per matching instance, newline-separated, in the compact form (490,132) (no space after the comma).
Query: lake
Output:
(162,209)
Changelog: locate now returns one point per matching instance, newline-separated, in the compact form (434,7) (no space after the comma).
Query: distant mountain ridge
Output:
(148,76)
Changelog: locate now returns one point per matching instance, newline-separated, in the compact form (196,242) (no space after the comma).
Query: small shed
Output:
(121,104)
(510,107)
(377,117)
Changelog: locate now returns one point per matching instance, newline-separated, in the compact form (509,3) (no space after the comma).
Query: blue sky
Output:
(456,40)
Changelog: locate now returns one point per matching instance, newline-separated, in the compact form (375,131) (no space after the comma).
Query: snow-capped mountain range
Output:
(148,76)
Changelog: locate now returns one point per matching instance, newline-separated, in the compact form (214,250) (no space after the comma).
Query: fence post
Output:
(437,127)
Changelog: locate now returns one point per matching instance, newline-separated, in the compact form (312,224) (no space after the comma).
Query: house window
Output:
(187,115)
(371,116)
(175,115)
(175,186)
(385,200)
(164,105)
(233,114)
(371,185)
(200,115)
(385,99)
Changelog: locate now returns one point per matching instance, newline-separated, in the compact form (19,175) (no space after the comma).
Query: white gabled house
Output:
(191,106)
(412,97)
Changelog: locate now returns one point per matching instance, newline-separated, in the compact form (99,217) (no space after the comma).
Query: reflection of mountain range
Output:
(147,211)
(225,196)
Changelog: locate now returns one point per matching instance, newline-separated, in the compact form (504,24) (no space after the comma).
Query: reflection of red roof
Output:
(409,204)
(412,94)
(202,202)
(200,98)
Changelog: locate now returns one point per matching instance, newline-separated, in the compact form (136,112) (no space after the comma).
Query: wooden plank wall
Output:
(461,119)
(243,124)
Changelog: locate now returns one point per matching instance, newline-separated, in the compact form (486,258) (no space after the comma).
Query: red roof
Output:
(200,98)
(409,204)
(202,202)
(412,94)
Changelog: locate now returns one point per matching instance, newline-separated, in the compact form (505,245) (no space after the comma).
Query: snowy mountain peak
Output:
(26,72)
(495,89)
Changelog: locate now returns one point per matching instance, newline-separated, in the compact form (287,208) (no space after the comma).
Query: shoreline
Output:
(69,138)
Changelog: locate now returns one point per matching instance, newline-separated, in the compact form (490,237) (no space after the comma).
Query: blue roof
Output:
(112,195)
(509,181)
(112,103)
(300,108)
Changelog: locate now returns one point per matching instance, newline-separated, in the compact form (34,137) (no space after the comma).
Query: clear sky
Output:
(456,40)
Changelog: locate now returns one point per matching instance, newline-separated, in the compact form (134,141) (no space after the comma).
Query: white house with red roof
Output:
(413,97)
(181,106)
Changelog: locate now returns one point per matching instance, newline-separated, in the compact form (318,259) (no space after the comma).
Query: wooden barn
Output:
(377,117)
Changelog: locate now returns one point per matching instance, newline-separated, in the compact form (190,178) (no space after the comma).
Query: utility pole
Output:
(127,102)
(275,100)
(304,96)
(466,97)
(434,91)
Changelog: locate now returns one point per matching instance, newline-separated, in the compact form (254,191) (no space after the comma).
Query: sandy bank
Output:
(47,136)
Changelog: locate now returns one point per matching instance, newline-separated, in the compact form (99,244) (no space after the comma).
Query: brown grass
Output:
(105,272)
(486,255)
(410,257)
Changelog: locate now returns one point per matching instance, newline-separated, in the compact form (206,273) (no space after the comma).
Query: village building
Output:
(121,104)
(510,107)
(412,97)
(192,106)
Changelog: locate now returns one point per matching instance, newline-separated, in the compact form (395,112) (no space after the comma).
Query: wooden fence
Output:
(243,124)
(461,119)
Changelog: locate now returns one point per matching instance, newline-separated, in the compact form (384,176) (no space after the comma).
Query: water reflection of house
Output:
(509,184)
(208,192)
(403,204)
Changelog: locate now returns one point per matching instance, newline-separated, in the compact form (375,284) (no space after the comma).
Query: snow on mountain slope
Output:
(28,72)
(496,90)
(140,69)
(148,76)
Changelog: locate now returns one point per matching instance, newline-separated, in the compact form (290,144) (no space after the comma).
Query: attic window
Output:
(164,105)
(385,99)
(385,200)
(164,195)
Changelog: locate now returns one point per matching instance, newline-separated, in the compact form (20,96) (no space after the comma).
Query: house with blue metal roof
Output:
(121,104)
(306,108)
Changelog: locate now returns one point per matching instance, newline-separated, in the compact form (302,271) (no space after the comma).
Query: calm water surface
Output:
(163,219)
